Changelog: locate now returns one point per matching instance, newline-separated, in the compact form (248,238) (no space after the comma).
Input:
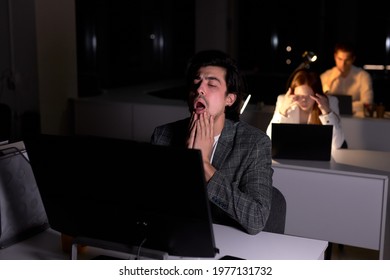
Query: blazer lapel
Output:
(225,143)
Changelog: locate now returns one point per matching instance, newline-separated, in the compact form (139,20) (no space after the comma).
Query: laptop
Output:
(345,104)
(301,141)
(125,192)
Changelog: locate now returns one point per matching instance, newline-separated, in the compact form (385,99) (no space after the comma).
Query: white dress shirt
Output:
(357,83)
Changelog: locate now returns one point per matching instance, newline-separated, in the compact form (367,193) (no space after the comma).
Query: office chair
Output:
(277,217)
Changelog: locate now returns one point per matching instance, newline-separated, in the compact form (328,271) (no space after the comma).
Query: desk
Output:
(265,245)
(343,201)
(367,133)
(230,241)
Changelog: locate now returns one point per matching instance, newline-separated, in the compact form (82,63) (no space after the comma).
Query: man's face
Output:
(209,91)
(344,61)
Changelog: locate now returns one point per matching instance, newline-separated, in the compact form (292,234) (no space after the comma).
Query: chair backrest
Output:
(22,213)
(277,218)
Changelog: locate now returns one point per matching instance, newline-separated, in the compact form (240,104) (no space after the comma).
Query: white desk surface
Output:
(346,160)
(377,160)
(230,241)
(265,245)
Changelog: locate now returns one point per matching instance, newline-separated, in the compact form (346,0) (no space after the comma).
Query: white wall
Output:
(18,61)
(57,66)
(38,53)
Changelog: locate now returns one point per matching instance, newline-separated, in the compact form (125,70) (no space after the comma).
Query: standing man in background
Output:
(347,79)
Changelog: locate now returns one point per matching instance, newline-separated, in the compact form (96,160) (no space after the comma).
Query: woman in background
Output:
(306,103)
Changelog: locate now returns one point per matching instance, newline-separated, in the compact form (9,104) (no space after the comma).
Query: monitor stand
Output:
(136,251)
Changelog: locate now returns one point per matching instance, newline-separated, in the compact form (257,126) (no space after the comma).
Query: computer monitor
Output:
(302,141)
(345,104)
(127,192)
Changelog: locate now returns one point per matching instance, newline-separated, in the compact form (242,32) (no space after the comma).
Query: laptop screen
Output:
(124,191)
(345,104)
(301,141)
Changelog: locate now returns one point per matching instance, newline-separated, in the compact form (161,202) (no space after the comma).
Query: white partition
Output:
(106,119)
(341,202)
(367,133)
(340,208)
(148,116)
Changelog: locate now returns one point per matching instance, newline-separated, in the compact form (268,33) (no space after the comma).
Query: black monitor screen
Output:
(124,191)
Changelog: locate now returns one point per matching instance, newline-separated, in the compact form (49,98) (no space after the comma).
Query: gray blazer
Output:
(241,188)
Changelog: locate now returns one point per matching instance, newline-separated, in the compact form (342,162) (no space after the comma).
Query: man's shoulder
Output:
(326,73)
(245,129)
(250,136)
(172,133)
(360,71)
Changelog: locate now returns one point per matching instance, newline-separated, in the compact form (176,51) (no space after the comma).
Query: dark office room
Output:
(46,51)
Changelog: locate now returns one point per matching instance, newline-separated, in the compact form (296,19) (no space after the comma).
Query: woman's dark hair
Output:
(233,78)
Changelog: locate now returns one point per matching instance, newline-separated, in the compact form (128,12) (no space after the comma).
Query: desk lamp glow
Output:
(245,103)
(308,57)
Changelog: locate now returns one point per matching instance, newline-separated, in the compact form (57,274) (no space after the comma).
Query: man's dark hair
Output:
(345,47)
(233,78)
